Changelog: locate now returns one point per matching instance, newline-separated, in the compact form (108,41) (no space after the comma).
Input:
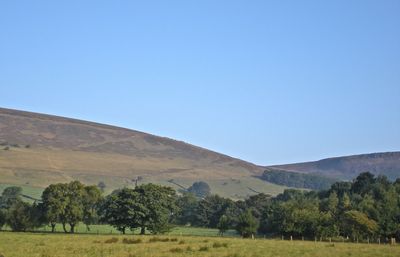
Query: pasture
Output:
(85,245)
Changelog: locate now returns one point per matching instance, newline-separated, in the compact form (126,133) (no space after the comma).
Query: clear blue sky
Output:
(266,81)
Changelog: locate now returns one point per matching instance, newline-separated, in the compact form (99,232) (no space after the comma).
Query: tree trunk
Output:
(53,227)
(123,230)
(143,230)
(72,225)
(64,228)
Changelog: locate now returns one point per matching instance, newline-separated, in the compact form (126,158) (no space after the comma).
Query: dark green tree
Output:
(160,205)
(19,216)
(91,201)
(247,224)
(223,224)
(9,196)
(187,205)
(201,189)
(123,210)
(54,201)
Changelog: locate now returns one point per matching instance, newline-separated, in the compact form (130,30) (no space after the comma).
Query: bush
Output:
(131,241)
(203,249)
(176,250)
(157,239)
(111,240)
(219,245)
(181,242)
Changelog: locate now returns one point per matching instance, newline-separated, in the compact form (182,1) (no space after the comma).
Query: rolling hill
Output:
(38,149)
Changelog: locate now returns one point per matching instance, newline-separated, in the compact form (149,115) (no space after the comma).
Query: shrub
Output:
(176,250)
(157,239)
(181,242)
(111,240)
(219,245)
(203,249)
(131,241)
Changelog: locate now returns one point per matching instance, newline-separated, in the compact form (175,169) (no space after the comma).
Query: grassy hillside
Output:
(37,150)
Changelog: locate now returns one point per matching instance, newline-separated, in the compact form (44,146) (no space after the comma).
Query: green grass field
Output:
(109,230)
(62,245)
(35,192)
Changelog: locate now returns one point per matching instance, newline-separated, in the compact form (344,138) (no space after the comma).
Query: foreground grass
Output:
(60,245)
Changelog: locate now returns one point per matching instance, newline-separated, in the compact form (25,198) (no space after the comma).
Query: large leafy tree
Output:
(160,206)
(55,201)
(247,224)
(123,210)
(360,225)
(91,201)
(187,205)
(70,204)
(211,208)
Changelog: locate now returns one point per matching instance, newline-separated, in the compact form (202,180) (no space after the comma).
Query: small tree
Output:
(9,196)
(19,216)
(102,186)
(201,189)
(223,224)
(247,224)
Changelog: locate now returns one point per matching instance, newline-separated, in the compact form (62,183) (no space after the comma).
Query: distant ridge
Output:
(348,167)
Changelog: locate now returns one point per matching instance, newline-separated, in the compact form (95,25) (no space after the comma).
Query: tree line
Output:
(313,181)
(366,208)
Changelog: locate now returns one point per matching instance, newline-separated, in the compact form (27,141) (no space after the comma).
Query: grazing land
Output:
(37,150)
(61,245)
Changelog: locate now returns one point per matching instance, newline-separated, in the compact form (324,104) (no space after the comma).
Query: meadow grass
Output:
(62,245)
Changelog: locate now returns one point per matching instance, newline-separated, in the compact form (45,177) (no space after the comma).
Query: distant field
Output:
(35,192)
(61,245)
(108,230)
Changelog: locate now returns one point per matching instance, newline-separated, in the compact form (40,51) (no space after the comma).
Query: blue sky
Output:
(266,81)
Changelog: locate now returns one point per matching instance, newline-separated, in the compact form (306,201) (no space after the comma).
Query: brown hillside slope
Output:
(44,149)
(348,167)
